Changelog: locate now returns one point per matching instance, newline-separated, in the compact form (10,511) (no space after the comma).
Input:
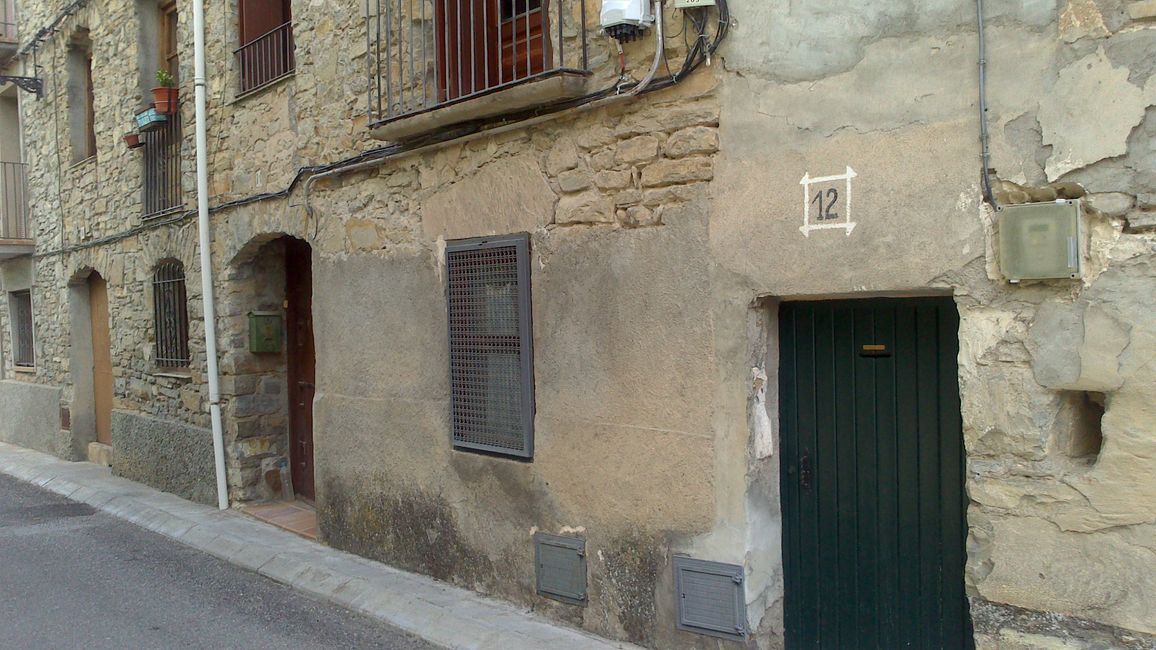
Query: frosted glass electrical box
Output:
(1040,241)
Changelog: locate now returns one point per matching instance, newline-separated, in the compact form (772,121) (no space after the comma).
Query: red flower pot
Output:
(133,140)
(166,99)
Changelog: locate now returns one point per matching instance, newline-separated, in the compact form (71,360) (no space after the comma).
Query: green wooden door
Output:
(872,475)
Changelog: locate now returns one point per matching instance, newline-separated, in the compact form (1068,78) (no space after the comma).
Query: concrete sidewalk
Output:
(441,614)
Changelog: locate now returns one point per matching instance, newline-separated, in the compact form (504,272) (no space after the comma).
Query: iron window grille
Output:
(23,345)
(491,345)
(171,314)
(424,54)
(162,167)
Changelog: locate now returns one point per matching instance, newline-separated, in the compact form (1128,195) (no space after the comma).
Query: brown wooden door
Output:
(302,368)
(101,357)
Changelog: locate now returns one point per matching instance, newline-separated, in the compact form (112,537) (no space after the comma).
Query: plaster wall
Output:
(892,94)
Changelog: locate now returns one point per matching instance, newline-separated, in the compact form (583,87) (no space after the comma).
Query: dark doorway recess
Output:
(301,362)
(872,475)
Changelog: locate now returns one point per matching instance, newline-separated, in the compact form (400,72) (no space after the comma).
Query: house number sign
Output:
(827,202)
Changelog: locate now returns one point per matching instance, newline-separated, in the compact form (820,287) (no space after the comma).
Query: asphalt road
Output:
(72,577)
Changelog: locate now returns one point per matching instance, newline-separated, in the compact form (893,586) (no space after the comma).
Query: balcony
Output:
(266,59)
(8,37)
(433,64)
(15,229)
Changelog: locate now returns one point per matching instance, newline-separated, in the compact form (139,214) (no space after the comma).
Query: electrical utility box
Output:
(1040,241)
(624,20)
(265,332)
(692,4)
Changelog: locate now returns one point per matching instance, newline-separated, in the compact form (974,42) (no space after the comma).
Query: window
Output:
(81,112)
(162,146)
(20,311)
(266,51)
(488,43)
(491,345)
(171,314)
(170,48)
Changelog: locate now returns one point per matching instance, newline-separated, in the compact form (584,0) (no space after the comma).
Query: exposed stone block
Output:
(693,140)
(1111,204)
(613,180)
(589,207)
(563,156)
(1142,10)
(574,180)
(643,148)
(684,170)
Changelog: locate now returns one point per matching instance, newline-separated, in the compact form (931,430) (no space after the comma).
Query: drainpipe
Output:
(206,256)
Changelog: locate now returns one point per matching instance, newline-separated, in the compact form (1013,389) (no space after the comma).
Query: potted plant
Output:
(165,95)
(132,139)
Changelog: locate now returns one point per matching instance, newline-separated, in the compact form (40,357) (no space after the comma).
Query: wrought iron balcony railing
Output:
(266,58)
(423,54)
(162,168)
(14,202)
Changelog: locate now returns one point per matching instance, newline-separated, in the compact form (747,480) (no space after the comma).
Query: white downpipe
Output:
(206,256)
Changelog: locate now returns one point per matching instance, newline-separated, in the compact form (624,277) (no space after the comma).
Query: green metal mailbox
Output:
(265,331)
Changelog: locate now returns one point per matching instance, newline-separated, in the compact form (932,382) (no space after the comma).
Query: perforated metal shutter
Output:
(710,598)
(491,339)
(561,567)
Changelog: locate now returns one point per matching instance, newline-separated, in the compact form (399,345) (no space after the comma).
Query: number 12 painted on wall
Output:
(825,200)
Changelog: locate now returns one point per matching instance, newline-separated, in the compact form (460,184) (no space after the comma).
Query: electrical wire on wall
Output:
(707,25)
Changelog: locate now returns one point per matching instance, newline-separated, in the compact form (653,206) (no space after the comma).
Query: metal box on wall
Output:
(265,332)
(1040,241)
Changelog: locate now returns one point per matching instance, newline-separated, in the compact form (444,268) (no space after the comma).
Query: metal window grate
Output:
(490,339)
(561,567)
(710,598)
(23,347)
(171,315)
(162,167)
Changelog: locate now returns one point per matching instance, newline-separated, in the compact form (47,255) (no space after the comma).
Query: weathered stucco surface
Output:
(1060,521)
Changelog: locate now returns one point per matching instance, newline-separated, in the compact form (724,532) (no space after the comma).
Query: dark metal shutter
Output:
(710,598)
(490,340)
(561,567)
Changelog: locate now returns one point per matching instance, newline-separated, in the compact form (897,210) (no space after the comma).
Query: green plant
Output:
(165,79)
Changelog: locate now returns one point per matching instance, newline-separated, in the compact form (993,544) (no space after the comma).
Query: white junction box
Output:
(691,4)
(625,12)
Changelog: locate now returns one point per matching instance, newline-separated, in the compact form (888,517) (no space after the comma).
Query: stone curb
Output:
(439,613)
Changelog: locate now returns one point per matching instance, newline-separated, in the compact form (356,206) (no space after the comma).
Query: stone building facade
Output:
(665,249)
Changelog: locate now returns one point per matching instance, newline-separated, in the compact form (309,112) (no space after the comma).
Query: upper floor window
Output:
(20,314)
(491,345)
(266,49)
(171,315)
(81,110)
(169,46)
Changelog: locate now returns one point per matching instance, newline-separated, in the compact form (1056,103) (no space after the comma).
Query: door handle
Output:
(805,470)
(305,384)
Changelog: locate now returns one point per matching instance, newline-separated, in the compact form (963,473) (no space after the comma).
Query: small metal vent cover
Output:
(561,567)
(710,598)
